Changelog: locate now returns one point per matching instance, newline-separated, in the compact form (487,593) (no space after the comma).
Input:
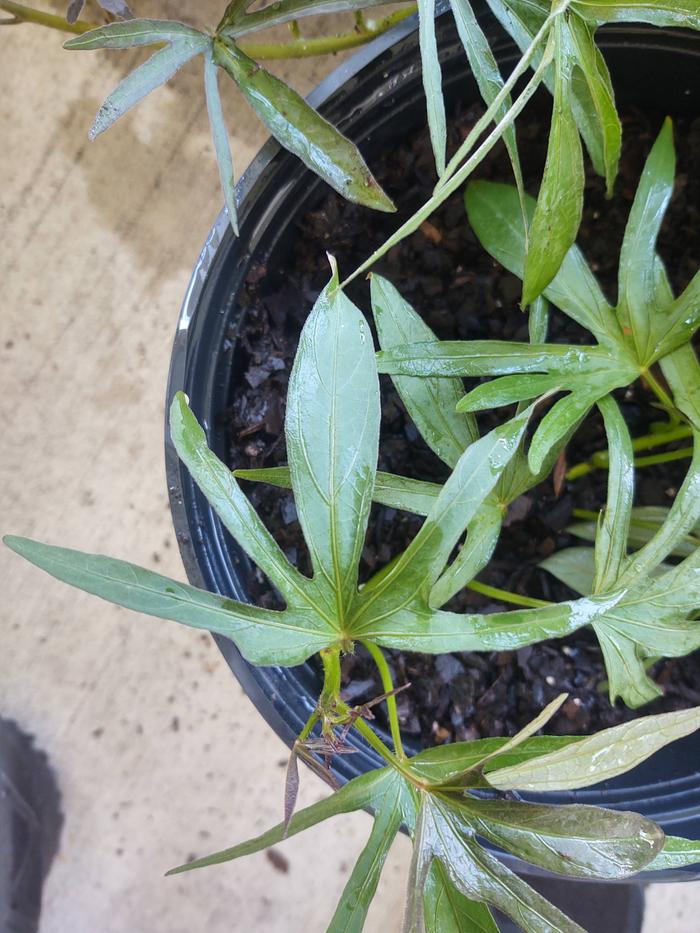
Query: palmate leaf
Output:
(296,125)
(453,881)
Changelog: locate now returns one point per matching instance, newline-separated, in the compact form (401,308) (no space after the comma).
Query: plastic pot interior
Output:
(376,98)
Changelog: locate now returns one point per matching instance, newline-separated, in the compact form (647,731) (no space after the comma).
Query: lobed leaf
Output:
(482,536)
(446,910)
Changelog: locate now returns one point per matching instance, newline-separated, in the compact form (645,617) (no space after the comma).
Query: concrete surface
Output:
(158,753)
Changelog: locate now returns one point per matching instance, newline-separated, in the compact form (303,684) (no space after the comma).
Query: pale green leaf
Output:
(432,81)
(220,139)
(126,35)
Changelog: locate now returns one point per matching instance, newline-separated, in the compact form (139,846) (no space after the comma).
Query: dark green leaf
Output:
(431,403)
(494,213)
(220,138)
(497,358)
(557,215)
(599,757)
(576,840)
(448,911)
(432,81)
(297,127)
(593,102)
(480,876)
(263,636)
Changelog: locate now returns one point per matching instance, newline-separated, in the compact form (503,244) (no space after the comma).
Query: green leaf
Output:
(126,35)
(682,372)
(567,413)
(657,12)
(448,911)
(599,757)
(480,876)
(263,636)
(357,794)
(497,358)
(432,81)
(683,516)
(676,853)
(593,102)
(645,522)
(430,403)
(637,275)
(611,540)
(220,138)
(486,73)
(507,390)
(286,10)
(231,505)
(396,492)
(297,127)
(574,566)
(420,565)
(156,71)
(559,207)
(332,431)
(482,536)
(351,912)
(494,213)
(683,319)
(575,840)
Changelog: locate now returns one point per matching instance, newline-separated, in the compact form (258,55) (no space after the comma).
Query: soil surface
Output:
(463,294)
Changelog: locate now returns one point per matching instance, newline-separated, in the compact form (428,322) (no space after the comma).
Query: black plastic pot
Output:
(376,98)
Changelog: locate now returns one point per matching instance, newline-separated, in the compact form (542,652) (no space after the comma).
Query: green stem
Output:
(275,14)
(27,14)
(388,685)
(500,98)
(600,459)
(330,694)
(323,45)
(373,739)
(504,596)
(414,222)
(658,390)
(310,723)
(667,457)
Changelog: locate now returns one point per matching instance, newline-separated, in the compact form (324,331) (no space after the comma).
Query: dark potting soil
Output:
(463,294)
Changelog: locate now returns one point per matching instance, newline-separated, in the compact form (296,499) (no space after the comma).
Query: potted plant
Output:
(448,796)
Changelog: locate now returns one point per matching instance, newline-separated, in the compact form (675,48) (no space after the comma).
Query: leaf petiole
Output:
(384,672)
